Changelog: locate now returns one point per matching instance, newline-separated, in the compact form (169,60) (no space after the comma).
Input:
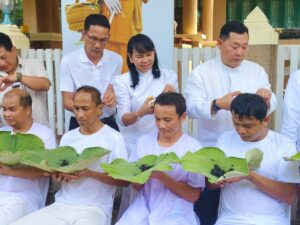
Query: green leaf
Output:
(213,163)
(293,158)
(63,159)
(254,158)
(13,146)
(140,171)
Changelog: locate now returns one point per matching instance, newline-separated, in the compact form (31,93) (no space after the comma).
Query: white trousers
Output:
(65,214)
(12,208)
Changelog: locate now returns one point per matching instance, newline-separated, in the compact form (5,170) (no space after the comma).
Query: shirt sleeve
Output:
(66,80)
(118,69)
(38,69)
(291,107)
(196,100)
(123,97)
(50,142)
(119,149)
(288,171)
(172,79)
(266,84)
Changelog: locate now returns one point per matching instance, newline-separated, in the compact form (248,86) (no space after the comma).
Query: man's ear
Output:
(266,120)
(219,42)
(183,117)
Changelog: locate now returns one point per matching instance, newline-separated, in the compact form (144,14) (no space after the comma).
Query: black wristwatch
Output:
(214,106)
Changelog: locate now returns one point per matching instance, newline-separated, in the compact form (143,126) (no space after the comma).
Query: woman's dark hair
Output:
(248,106)
(142,44)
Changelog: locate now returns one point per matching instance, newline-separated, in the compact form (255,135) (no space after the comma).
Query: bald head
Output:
(25,99)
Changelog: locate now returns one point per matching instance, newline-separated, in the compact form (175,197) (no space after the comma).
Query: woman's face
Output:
(142,61)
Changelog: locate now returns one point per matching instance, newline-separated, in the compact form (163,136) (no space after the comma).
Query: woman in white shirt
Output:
(136,89)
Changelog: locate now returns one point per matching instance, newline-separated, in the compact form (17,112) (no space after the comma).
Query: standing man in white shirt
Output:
(210,89)
(291,109)
(22,190)
(265,195)
(85,198)
(28,74)
(92,65)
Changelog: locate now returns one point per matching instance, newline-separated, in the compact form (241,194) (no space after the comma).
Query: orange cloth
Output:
(124,25)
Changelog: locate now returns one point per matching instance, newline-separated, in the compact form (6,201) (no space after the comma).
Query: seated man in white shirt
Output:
(168,197)
(263,197)
(22,190)
(85,198)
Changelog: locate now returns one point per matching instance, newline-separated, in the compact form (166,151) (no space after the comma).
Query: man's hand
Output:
(169,88)
(225,101)
(7,81)
(157,175)
(266,94)
(114,6)
(6,170)
(64,177)
(109,98)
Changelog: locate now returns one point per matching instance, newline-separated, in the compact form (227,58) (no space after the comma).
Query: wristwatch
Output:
(214,106)
(19,77)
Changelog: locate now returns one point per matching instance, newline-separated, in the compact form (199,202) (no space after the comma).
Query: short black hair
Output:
(248,106)
(96,19)
(95,93)
(142,44)
(172,99)
(234,26)
(5,42)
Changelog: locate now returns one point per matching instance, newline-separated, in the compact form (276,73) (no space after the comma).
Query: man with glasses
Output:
(91,65)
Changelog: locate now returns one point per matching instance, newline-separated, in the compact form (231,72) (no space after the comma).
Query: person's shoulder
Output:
(41,129)
(203,67)
(72,56)
(193,143)
(123,79)
(295,77)
(112,55)
(6,128)
(252,65)
(112,134)
(226,135)
(148,137)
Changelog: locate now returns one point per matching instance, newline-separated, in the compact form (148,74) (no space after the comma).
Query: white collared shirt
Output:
(77,70)
(31,67)
(291,109)
(212,80)
(131,99)
(34,191)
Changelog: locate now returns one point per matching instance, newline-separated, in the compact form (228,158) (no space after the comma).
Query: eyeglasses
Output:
(94,40)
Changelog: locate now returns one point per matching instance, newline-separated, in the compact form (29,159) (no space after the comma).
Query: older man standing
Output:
(211,88)
(22,190)
(28,74)
(92,65)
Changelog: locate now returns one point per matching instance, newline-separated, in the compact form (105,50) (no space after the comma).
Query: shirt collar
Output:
(227,68)
(84,58)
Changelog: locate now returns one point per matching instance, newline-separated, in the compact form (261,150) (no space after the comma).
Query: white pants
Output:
(65,214)
(12,208)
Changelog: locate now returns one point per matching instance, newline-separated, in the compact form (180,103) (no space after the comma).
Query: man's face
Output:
(167,121)
(8,60)
(86,111)
(95,40)
(13,113)
(250,129)
(234,49)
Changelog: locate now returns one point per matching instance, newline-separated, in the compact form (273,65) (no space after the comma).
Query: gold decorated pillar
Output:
(190,8)
(207,18)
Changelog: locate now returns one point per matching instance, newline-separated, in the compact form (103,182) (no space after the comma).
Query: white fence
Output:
(184,61)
